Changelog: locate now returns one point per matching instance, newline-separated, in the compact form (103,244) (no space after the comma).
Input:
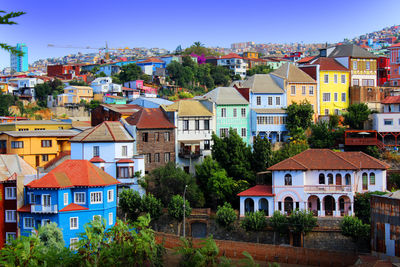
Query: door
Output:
(46,202)
(37,161)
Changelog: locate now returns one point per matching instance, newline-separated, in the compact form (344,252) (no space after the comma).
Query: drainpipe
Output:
(318,91)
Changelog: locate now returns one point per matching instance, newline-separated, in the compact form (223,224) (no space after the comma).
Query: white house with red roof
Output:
(233,62)
(71,195)
(319,180)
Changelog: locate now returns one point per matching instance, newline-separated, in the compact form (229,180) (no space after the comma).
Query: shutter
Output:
(117,172)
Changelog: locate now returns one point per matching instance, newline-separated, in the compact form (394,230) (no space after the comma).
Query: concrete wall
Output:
(79,112)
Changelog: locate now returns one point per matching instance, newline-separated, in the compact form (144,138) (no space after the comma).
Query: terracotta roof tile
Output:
(391,100)
(258,190)
(151,60)
(230,55)
(150,118)
(96,160)
(327,63)
(125,161)
(108,131)
(73,207)
(305,59)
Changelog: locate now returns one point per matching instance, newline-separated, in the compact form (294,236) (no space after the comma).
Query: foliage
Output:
(355,228)
(169,180)
(199,49)
(92,104)
(183,95)
(279,223)
(130,203)
(233,155)
(373,151)
(289,150)
(42,90)
(254,221)
(226,215)
(259,69)
(78,83)
(299,116)
(261,155)
(130,72)
(6,101)
(394,181)
(152,206)
(175,208)
(101,74)
(6,19)
(356,115)
(51,236)
(322,135)
(301,221)
(362,205)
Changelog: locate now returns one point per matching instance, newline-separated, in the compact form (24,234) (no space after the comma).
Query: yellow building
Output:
(298,85)
(333,86)
(80,93)
(35,125)
(36,147)
(250,54)
(4,87)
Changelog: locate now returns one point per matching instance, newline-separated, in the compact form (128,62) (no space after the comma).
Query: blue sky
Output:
(167,24)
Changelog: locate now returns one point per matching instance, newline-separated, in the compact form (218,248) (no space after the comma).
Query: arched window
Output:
(338,179)
(330,178)
(372,178)
(249,205)
(365,181)
(288,204)
(288,179)
(347,179)
(321,178)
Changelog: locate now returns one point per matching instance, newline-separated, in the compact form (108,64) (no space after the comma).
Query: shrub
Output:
(279,223)
(175,208)
(362,206)
(130,203)
(355,228)
(151,205)
(254,221)
(302,221)
(226,215)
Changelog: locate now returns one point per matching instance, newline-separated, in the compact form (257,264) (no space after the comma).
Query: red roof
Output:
(391,100)
(26,208)
(326,159)
(327,63)
(305,59)
(96,160)
(73,173)
(125,161)
(230,55)
(258,191)
(73,207)
(151,60)
(150,118)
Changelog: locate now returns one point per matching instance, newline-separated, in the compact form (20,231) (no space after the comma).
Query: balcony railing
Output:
(44,209)
(360,141)
(327,188)
(187,154)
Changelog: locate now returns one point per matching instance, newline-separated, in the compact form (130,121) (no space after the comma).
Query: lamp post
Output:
(184,211)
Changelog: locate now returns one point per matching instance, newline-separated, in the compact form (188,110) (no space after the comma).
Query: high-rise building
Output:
(20,63)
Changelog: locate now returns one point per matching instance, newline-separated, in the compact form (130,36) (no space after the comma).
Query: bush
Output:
(362,206)
(175,208)
(301,221)
(151,205)
(130,203)
(226,215)
(394,181)
(254,221)
(279,223)
(355,228)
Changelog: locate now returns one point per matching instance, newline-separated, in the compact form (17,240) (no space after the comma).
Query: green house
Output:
(231,110)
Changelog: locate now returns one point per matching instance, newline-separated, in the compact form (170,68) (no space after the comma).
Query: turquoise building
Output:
(20,63)
(231,110)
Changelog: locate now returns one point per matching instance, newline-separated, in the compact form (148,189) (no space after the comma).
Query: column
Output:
(255,204)
(337,207)
(241,206)
(351,212)
(279,136)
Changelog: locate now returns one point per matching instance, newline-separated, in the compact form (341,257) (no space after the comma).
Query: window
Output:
(167,157)
(321,178)
(288,179)
(17,144)
(356,82)
(110,195)
(45,157)
(311,90)
(11,216)
(96,151)
(10,236)
(354,65)
(326,97)
(167,137)
(206,144)
(197,125)
(145,137)
(46,200)
(343,97)
(388,121)
(96,197)
(335,78)
(223,112)
(32,198)
(343,78)
(335,97)
(371,82)
(65,199)
(125,172)
(157,157)
(293,90)
(186,125)
(11,193)
(206,124)
(277,101)
(336,111)
(372,178)
(124,151)
(73,223)
(223,132)
(364,82)
(303,90)
(46,143)
(347,179)
(40,129)
(243,112)
(365,181)
(148,157)
(110,219)
(156,137)
(244,131)
(330,178)
(326,78)
(29,223)
(367,65)
(73,243)
(80,198)
(258,100)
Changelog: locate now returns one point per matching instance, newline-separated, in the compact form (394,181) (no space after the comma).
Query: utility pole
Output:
(184,211)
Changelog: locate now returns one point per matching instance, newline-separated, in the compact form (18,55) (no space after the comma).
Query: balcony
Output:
(188,154)
(44,209)
(327,188)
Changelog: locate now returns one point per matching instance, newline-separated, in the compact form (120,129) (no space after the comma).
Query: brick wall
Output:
(271,253)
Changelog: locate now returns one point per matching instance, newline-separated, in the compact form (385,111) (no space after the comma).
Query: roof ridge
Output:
(337,155)
(298,161)
(374,159)
(109,129)
(92,130)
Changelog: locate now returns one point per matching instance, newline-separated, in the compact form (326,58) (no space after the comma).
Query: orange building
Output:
(394,64)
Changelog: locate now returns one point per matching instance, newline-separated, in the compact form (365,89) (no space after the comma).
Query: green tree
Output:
(220,75)
(129,72)
(92,105)
(101,74)
(254,221)
(51,236)
(362,205)
(279,223)
(322,135)
(199,49)
(6,101)
(226,215)
(259,69)
(130,204)
(5,19)
(355,228)
(261,155)
(43,90)
(302,222)
(152,206)
(356,115)
(78,83)
(394,181)
(289,150)
(175,208)
(299,117)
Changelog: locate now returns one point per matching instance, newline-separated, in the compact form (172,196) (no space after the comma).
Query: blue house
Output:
(267,102)
(72,194)
(151,102)
(150,65)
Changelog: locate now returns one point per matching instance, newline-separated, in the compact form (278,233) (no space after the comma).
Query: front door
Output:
(37,161)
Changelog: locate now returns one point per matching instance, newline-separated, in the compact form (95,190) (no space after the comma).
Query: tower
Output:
(20,63)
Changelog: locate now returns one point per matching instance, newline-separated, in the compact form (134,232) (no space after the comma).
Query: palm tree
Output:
(6,20)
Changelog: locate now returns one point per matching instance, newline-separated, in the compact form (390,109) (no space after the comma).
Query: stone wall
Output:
(77,112)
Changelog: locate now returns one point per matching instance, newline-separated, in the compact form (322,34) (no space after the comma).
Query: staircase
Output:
(380,145)
(56,159)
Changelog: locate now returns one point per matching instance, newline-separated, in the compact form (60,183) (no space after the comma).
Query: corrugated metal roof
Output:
(262,83)
(10,164)
(269,110)
(108,131)
(226,96)
(188,108)
(293,74)
(351,50)
(44,133)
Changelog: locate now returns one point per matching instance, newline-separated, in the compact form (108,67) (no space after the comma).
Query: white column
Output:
(351,212)
(279,136)
(271,206)
(256,203)
(241,206)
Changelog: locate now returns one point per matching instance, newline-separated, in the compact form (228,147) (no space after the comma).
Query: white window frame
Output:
(223,112)
(270,101)
(72,225)
(344,97)
(293,90)
(124,151)
(13,191)
(112,195)
(14,234)
(335,97)
(243,112)
(84,197)
(97,201)
(343,78)
(44,196)
(14,216)
(278,100)
(33,224)
(65,198)
(32,201)
(235,112)
(326,78)
(335,78)
(258,100)
(311,90)
(326,100)
(45,221)
(110,218)
(72,242)
(303,90)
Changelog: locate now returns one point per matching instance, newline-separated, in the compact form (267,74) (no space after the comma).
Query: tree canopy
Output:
(199,49)
(262,154)
(259,69)
(299,117)
(52,87)
(356,115)
(130,72)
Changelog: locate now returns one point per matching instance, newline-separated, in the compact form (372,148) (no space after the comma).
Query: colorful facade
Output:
(394,56)
(35,125)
